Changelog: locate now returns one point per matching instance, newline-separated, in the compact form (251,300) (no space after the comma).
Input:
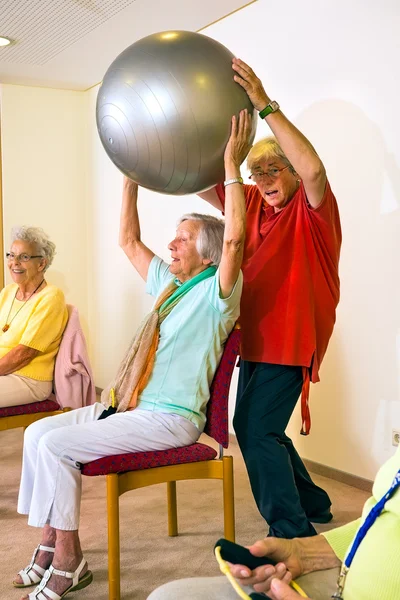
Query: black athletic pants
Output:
(283,490)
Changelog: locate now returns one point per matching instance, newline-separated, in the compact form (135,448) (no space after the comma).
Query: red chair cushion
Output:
(217,424)
(137,461)
(26,409)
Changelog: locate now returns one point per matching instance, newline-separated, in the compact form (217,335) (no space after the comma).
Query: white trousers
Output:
(55,447)
(16,390)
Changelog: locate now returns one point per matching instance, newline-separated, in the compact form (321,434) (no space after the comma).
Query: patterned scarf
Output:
(137,364)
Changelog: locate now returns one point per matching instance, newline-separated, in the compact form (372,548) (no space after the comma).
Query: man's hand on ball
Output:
(252,85)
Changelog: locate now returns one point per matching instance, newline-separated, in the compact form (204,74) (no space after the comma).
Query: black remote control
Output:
(239,555)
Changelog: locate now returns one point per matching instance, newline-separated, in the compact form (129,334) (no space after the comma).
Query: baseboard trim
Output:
(335,474)
(338,475)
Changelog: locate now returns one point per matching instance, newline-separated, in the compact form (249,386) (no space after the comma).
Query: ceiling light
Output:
(4,41)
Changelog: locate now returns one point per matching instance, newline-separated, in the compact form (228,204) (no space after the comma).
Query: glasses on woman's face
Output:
(272,173)
(21,257)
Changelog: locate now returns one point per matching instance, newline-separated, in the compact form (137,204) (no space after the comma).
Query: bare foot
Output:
(43,559)
(58,583)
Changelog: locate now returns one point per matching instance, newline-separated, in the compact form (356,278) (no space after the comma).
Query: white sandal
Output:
(43,593)
(32,574)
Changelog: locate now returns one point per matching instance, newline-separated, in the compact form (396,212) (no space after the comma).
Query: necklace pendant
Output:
(6,328)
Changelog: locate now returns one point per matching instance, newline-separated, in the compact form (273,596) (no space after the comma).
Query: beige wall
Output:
(44,161)
(335,81)
(334,84)
(339,89)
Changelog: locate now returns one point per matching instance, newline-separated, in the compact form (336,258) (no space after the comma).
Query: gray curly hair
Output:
(35,235)
(210,238)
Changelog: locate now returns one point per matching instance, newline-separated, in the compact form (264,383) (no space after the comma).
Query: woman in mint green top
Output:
(168,369)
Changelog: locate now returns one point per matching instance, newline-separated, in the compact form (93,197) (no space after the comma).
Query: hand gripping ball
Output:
(164,111)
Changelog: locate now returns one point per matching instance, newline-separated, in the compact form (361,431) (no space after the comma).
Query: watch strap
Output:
(233,180)
(270,108)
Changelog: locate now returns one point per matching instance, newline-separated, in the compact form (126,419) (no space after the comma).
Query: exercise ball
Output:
(164,111)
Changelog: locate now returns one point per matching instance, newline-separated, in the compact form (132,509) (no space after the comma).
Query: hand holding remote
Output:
(239,555)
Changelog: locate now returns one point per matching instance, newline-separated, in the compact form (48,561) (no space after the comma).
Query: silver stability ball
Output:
(164,111)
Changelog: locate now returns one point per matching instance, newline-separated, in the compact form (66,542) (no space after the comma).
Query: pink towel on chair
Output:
(73,378)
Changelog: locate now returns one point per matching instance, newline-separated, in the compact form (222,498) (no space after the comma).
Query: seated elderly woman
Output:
(159,397)
(33,316)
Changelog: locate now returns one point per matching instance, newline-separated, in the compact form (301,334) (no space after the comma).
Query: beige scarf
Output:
(137,364)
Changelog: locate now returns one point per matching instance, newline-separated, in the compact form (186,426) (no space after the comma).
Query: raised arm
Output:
(129,230)
(295,145)
(235,210)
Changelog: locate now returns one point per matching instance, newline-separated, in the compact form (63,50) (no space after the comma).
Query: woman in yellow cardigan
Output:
(33,315)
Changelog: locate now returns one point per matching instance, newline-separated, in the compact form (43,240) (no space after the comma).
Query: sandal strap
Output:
(74,576)
(40,591)
(46,594)
(36,550)
(31,574)
(61,573)
(46,548)
(38,595)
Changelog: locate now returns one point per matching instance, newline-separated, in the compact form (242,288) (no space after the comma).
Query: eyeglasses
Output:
(271,173)
(21,257)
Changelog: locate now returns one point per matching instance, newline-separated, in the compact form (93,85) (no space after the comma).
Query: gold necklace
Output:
(7,325)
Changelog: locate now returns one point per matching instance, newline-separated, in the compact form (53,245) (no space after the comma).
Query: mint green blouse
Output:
(190,346)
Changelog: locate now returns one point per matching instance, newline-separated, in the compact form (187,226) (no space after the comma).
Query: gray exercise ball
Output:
(164,111)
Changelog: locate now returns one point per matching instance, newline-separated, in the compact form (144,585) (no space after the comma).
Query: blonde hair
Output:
(266,149)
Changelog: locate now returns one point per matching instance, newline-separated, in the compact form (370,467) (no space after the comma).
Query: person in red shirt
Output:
(290,294)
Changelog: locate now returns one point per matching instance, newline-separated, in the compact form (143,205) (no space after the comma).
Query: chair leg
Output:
(172,509)
(114,571)
(229,499)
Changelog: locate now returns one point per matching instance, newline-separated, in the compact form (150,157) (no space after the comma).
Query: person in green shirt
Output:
(315,562)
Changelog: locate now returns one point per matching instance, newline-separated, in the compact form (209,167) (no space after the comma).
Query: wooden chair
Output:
(25,414)
(127,472)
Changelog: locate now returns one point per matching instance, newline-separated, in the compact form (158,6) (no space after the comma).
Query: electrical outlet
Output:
(395,437)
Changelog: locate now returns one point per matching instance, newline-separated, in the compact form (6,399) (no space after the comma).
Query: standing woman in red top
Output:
(290,294)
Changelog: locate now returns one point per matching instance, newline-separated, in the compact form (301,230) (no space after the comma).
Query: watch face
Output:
(274,105)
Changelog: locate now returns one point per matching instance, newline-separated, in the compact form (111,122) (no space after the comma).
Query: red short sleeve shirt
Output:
(291,281)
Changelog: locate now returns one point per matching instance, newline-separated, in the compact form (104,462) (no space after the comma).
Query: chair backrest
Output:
(217,425)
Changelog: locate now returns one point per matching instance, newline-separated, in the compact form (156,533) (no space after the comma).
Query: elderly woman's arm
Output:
(235,209)
(16,359)
(295,145)
(129,232)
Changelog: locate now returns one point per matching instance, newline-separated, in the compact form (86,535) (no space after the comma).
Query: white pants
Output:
(55,447)
(16,390)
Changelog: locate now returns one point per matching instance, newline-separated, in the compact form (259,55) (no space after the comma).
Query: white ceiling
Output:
(70,44)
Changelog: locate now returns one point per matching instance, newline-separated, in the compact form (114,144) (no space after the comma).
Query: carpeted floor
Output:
(148,556)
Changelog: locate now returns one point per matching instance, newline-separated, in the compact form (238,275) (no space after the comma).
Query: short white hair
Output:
(35,235)
(210,238)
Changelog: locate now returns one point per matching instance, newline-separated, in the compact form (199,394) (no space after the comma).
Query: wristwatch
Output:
(271,108)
